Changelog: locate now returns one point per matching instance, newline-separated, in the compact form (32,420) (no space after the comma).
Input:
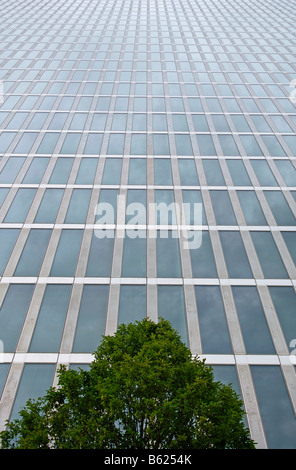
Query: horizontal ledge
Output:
(87,358)
(149,281)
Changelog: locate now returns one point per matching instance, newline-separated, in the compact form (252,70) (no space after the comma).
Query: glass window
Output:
(48,143)
(137,171)
(290,240)
(180,123)
(213,172)
(251,208)
(87,170)
(238,173)
(273,146)
(200,123)
(93,144)
(98,122)
(35,381)
(71,143)
(36,170)
(67,253)
(138,144)
(162,172)
(240,123)
(78,207)
(287,171)
(220,123)
(171,307)
(183,144)
(100,255)
(61,172)
(25,143)
(202,258)
(188,173)
(284,300)
(91,321)
(139,122)
(119,122)
(263,173)
(228,145)
(11,169)
(51,318)
(161,144)
(275,407)
(159,122)
(250,144)
(112,171)
(224,214)
(78,122)
(134,254)
(267,252)
(164,199)
(280,208)
(58,121)
(17,300)
(33,253)
(252,320)
(132,304)
(116,143)
(20,205)
(191,197)
(215,337)
(49,206)
(168,256)
(233,249)
(206,145)
(8,237)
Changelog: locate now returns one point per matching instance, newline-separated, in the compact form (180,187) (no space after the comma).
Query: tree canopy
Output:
(143,390)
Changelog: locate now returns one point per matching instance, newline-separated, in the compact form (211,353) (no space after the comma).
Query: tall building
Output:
(114,116)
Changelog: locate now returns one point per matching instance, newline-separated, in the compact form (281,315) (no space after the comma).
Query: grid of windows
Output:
(153,102)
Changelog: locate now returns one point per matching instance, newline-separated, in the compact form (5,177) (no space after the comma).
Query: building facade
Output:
(148,169)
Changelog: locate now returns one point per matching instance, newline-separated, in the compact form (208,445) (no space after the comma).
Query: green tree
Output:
(143,390)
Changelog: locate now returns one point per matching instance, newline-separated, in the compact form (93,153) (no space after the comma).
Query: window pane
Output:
(78,207)
(275,407)
(188,173)
(17,300)
(20,205)
(171,307)
(284,300)
(162,172)
(134,254)
(33,253)
(224,214)
(8,237)
(251,208)
(49,206)
(168,256)
(213,173)
(238,173)
(252,321)
(132,304)
(61,171)
(87,171)
(202,259)
(233,250)
(66,256)
(267,252)
(36,170)
(91,319)
(212,321)
(100,256)
(280,208)
(11,169)
(51,318)
(137,171)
